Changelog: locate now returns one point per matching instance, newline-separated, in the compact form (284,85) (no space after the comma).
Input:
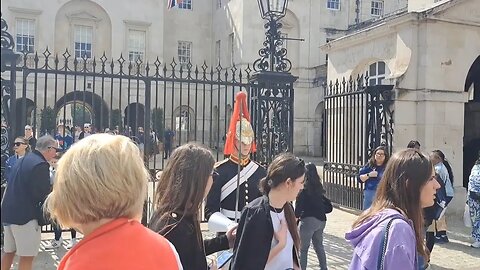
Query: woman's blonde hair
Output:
(101,176)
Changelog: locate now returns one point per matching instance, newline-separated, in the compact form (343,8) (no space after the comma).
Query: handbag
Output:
(327,205)
(467,221)
(383,244)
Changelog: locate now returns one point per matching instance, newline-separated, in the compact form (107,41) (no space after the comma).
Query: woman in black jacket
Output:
(183,185)
(311,207)
(267,235)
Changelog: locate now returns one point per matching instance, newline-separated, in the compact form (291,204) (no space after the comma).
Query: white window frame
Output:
(218,51)
(83,40)
(185,4)
(377,77)
(377,8)
(30,34)
(27,14)
(184,52)
(333,4)
(137,40)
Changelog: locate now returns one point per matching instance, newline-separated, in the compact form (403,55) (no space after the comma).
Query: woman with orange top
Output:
(99,189)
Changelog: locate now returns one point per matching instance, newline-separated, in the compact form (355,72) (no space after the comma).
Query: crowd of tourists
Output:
(98,187)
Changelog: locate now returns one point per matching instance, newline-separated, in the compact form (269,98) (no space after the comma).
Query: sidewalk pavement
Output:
(454,255)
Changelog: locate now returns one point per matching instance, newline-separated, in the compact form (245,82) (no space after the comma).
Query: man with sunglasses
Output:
(20,147)
(239,145)
(22,213)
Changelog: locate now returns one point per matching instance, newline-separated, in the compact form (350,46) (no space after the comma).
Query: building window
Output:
(376,8)
(184,52)
(376,73)
(136,45)
(25,35)
(333,4)
(185,4)
(219,4)
(231,48)
(218,47)
(83,37)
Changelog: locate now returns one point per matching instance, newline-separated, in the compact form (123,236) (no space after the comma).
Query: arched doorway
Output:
(26,115)
(134,116)
(94,104)
(74,114)
(184,124)
(471,138)
(317,130)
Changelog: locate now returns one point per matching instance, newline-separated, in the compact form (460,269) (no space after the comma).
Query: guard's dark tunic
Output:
(227,169)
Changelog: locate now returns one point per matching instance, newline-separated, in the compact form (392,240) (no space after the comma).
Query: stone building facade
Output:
(431,54)
(214,31)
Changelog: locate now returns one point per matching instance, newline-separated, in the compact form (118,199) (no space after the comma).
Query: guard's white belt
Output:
(229,213)
(231,185)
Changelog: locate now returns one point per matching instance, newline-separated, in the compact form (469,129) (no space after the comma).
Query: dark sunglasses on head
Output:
(19,143)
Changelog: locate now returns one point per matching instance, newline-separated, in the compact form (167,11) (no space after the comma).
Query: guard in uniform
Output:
(238,147)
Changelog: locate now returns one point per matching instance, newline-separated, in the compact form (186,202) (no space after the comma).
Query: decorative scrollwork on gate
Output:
(273,56)
(6,39)
(273,122)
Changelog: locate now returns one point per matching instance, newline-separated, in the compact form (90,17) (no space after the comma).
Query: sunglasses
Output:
(28,129)
(56,149)
(19,143)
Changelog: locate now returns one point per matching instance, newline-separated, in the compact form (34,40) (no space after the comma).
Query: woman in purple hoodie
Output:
(389,234)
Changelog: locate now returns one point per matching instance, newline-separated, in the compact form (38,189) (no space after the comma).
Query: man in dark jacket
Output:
(22,213)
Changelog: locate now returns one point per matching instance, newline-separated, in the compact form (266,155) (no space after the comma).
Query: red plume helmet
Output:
(240,106)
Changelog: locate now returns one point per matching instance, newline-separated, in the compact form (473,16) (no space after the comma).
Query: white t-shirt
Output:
(284,259)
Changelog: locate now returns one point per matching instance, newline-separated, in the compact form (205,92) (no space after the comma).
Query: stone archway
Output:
(471,141)
(93,102)
(27,115)
(134,116)
(318,130)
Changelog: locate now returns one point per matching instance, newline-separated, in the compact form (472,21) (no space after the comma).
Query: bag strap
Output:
(383,243)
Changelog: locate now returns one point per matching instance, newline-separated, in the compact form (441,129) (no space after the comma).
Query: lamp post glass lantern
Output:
(272,8)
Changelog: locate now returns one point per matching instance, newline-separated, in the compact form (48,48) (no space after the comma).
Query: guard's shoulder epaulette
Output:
(218,163)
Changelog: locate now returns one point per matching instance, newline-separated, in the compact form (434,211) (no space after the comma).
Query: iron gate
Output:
(189,102)
(358,118)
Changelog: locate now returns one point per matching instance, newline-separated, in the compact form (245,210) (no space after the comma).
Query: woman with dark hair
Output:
(268,223)
(474,202)
(438,228)
(183,185)
(390,233)
(310,207)
(371,174)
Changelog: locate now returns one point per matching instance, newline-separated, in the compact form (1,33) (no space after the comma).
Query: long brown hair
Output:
(284,166)
(181,188)
(395,193)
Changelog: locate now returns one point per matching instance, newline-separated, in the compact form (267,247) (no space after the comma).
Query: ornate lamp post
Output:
(272,87)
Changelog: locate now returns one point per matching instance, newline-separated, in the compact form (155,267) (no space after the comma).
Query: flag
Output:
(172,3)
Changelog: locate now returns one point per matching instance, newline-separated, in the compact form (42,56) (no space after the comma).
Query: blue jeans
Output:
(311,229)
(368,196)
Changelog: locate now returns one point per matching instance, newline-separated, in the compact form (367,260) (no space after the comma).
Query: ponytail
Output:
(264,186)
